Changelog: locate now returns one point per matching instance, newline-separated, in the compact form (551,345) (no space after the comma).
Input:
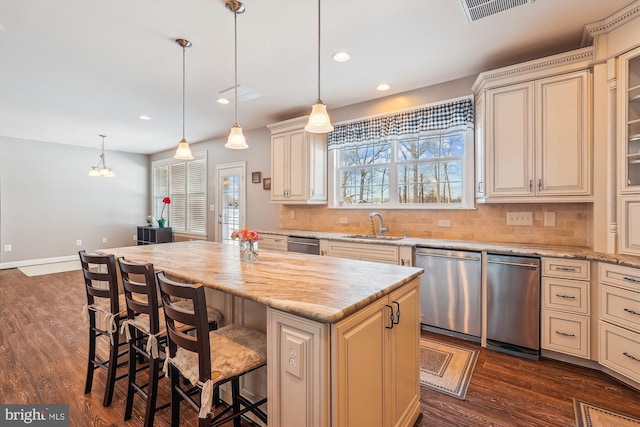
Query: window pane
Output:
(366,154)
(433,182)
(370,185)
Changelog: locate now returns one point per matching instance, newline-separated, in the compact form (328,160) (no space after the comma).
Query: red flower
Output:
(245,235)
(166,200)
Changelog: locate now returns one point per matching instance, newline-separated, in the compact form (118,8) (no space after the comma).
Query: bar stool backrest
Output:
(100,278)
(141,297)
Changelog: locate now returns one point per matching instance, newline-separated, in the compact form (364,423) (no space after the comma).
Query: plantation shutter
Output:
(197,195)
(178,183)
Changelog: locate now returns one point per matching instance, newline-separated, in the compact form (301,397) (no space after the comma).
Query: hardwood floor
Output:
(43,360)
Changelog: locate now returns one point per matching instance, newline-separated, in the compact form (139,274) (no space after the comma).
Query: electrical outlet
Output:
(135,237)
(104,240)
(7,248)
(212,208)
(444,223)
(78,242)
(294,354)
(292,214)
(519,218)
(549,219)
(343,220)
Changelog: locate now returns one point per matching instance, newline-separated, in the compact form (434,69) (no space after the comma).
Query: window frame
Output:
(467,172)
(156,199)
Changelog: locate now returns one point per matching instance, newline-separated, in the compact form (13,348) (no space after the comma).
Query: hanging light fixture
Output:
(183,152)
(101,168)
(319,121)
(236,139)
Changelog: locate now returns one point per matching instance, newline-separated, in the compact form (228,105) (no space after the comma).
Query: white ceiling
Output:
(73,69)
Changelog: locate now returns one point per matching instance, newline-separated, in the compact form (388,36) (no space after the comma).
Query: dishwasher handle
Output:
(513,264)
(468,258)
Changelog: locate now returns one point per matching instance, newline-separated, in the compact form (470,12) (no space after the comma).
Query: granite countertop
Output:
(323,289)
(556,251)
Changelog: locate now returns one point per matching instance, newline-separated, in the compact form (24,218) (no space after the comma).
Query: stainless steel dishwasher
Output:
(450,292)
(305,245)
(513,305)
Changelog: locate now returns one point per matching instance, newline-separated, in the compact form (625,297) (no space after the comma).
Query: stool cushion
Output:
(213,315)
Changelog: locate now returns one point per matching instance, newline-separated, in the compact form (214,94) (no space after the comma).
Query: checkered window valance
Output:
(452,116)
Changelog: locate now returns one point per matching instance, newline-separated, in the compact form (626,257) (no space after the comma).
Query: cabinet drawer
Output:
(620,306)
(565,333)
(273,242)
(619,275)
(566,295)
(363,251)
(566,268)
(620,350)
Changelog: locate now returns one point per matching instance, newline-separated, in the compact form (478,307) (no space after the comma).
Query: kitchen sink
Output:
(372,237)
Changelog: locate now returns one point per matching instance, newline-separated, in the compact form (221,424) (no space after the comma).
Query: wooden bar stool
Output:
(207,358)
(101,286)
(146,332)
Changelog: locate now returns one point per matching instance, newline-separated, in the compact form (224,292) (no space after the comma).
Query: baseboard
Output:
(28,262)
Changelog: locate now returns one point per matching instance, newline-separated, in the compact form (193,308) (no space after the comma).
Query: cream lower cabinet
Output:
(566,306)
(273,242)
(360,371)
(376,252)
(298,164)
(376,356)
(535,137)
(619,334)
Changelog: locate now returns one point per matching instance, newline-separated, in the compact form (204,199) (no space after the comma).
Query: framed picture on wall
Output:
(266,184)
(255,177)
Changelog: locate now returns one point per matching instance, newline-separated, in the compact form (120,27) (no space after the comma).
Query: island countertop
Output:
(324,289)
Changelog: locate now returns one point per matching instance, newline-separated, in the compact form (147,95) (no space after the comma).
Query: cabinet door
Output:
(630,233)
(359,369)
(562,135)
(404,356)
(317,167)
(279,166)
(298,166)
(509,132)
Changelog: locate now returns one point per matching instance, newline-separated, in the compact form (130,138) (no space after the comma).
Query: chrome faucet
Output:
(381,229)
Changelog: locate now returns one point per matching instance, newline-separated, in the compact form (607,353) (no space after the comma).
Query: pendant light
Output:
(183,152)
(236,140)
(319,121)
(101,168)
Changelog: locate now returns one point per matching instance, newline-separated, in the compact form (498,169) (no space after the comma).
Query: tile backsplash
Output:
(486,223)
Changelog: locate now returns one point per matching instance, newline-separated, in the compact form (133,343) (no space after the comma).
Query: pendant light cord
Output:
(319,100)
(184,49)
(235,38)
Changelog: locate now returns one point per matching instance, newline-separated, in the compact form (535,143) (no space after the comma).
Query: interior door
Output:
(231,185)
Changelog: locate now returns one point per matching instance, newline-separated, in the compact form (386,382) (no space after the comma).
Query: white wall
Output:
(48,201)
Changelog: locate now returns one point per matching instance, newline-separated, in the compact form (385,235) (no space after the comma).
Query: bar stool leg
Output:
(113,367)
(92,355)
(133,359)
(152,391)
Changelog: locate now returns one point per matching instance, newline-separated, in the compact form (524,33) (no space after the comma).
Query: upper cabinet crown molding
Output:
(610,23)
(579,59)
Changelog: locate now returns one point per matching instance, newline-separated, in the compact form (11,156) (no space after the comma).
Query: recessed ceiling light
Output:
(382,87)
(223,101)
(144,117)
(341,57)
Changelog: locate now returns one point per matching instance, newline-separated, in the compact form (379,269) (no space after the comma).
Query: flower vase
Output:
(248,251)
(161,222)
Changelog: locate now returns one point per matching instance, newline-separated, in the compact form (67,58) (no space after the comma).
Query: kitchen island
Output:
(343,335)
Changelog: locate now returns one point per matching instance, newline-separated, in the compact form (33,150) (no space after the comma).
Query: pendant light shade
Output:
(319,121)
(236,140)
(101,168)
(183,152)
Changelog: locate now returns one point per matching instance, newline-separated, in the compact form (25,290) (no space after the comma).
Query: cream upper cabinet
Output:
(533,131)
(298,164)
(630,152)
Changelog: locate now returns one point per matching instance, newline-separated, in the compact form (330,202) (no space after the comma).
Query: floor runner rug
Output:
(446,368)
(55,267)
(588,415)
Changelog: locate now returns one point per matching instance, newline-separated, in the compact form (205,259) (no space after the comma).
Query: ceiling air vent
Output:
(478,9)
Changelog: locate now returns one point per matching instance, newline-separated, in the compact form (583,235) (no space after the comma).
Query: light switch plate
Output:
(519,218)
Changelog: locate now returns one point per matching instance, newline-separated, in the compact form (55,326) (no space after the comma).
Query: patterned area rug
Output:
(446,368)
(55,267)
(588,415)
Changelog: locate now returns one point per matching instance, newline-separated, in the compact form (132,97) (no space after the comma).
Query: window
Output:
(417,159)
(185,182)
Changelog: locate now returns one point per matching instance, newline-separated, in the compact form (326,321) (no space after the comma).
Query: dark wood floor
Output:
(43,356)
